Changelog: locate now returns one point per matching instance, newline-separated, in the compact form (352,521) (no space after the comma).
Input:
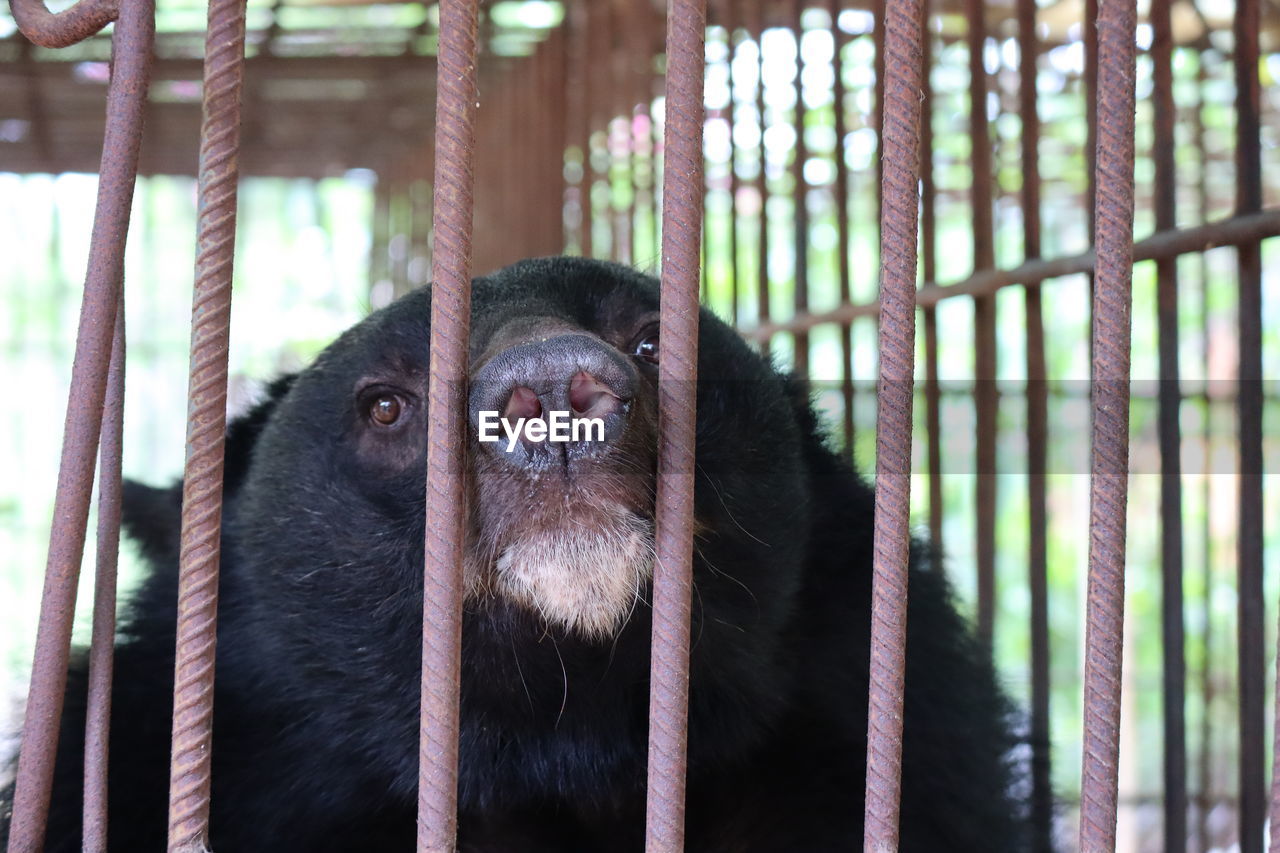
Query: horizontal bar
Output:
(1232,231)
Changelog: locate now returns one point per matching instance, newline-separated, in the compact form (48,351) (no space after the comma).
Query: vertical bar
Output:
(984,320)
(1208,680)
(929,252)
(419,241)
(898,232)
(1252,609)
(379,257)
(1170,399)
(1207,675)
(598,114)
(877,37)
(655,27)
(800,202)
(199,553)
(641,58)
(126,99)
(401,231)
(555,64)
(728,19)
(593,52)
(618,141)
(510,111)
(1091,136)
(933,428)
(531,93)
(1091,109)
(102,645)
(841,191)
(1113,239)
(446,429)
(677,378)
(515,174)
(762,183)
(578,127)
(1037,438)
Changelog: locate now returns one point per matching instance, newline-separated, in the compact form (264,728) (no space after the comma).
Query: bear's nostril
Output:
(572,390)
(523,403)
(589,397)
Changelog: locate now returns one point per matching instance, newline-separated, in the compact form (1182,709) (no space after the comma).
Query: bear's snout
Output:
(553,401)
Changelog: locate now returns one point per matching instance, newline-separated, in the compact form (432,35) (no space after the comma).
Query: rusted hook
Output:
(65,28)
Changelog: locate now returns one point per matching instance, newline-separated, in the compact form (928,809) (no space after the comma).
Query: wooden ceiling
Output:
(331,85)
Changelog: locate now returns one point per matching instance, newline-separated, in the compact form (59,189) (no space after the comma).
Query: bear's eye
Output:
(385,409)
(647,348)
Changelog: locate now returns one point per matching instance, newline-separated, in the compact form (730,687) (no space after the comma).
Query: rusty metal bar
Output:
(514,175)
(577,187)
(65,28)
(417,199)
(1091,136)
(401,231)
(597,117)
(877,38)
(898,232)
(1171,617)
(592,51)
(1232,231)
(556,80)
(1037,439)
(190,764)
(682,190)
(800,202)
(380,232)
(619,141)
(521,109)
(640,130)
(102,645)
(41,136)
(726,12)
(760,9)
(1249,596)
(1091,110)
(1207,675)
(929,255)
(933,429)
(841,192)
(1113,240)
(126,100)
(984,322)
(446,429)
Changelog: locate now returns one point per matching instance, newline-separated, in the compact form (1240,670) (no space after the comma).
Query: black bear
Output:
(316,708)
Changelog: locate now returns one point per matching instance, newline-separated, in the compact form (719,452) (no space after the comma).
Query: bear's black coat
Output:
(316,711)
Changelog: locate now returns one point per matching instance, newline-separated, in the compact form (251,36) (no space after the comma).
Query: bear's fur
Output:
(316,711)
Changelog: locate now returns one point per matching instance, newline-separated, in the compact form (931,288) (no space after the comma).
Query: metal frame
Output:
(903,55)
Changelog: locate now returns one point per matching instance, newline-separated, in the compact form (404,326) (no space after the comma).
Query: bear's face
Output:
(328,521)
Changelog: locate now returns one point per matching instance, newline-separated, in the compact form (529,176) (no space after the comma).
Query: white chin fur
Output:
(586,580)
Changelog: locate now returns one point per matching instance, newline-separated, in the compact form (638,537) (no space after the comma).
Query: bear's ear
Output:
(243,432)
(153,517)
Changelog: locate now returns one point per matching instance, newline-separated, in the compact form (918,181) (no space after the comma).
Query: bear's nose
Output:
(552,401)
